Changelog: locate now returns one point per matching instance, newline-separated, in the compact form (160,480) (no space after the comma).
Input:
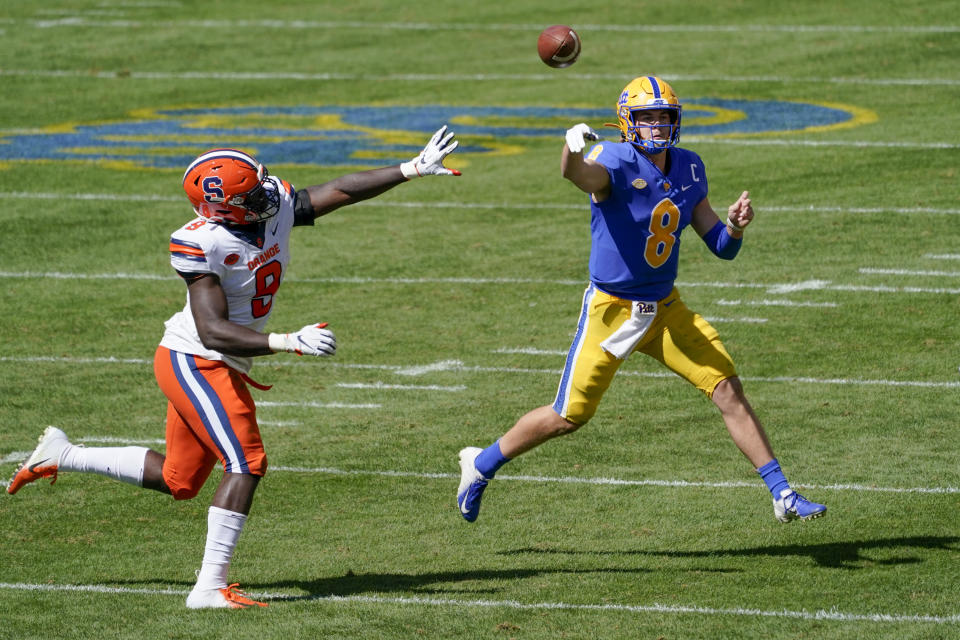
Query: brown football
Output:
(558,46)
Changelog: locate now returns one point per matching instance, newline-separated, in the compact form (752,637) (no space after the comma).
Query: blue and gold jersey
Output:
(636,230)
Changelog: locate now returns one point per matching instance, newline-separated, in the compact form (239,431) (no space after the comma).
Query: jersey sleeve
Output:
(187,256)
(194,251)
(607,155)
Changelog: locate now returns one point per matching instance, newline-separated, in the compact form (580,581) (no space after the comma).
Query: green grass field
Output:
(453,301)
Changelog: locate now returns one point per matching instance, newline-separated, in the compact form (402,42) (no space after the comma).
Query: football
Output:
(558,46)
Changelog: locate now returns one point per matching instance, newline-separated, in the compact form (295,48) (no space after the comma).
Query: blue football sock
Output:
(489,460)
(774,477)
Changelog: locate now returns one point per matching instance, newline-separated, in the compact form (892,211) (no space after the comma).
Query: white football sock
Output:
(120,463)
(223,531)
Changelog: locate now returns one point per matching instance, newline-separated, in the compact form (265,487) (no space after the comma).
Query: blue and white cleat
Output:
(472,484)
(793,506)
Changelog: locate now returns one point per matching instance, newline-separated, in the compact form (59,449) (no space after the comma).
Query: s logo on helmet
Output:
(213,189)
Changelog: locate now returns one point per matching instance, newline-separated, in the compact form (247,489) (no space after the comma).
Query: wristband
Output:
(277,342)
(733,226)
(721,243)
(409,170)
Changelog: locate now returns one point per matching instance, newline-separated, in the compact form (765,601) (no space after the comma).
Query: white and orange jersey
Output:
(250,262)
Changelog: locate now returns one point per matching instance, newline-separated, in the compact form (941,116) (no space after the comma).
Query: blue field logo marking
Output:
(338,135)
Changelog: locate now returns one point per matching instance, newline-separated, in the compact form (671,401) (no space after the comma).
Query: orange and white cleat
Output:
(227,598)
(43,462)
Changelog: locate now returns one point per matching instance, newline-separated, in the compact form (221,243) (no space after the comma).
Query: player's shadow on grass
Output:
(444,582)
(836,555)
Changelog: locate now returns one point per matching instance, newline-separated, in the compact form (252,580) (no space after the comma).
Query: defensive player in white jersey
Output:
(644,190)
(232,257)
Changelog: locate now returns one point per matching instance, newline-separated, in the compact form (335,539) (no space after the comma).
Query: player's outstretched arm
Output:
(430,160)
(363,185)
(589,176)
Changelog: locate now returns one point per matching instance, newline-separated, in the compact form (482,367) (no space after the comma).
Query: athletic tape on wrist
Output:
(409,170)
(734,226)
(277,342)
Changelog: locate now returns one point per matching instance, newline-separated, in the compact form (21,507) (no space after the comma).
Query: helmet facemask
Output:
(647,93)
(651,144)
(263,201)
(218,184)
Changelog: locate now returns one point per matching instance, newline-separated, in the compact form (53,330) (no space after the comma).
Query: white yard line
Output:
(910,272)
(15,457)
(116,440)
(532,351)
(741,320)
(459,604)
(674,484)
(318,405)
(457,366)
(833,614)
(443,365)
(774,288)
(773,303)
(399,387)
(504,206)
(277,75)
(78,21)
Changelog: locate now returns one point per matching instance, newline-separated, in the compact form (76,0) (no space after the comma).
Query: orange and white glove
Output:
(430,160)
(312,340)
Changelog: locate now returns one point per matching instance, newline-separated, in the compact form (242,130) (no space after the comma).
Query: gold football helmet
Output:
(644,93)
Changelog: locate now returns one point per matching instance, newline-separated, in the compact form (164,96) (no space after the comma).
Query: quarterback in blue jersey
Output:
(644,190)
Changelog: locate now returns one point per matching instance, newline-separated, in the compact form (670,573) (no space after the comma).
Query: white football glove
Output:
(430,160)
(577,137)
(312,340)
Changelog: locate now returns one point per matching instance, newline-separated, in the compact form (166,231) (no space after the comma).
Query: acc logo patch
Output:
(231,259)
(639,183)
